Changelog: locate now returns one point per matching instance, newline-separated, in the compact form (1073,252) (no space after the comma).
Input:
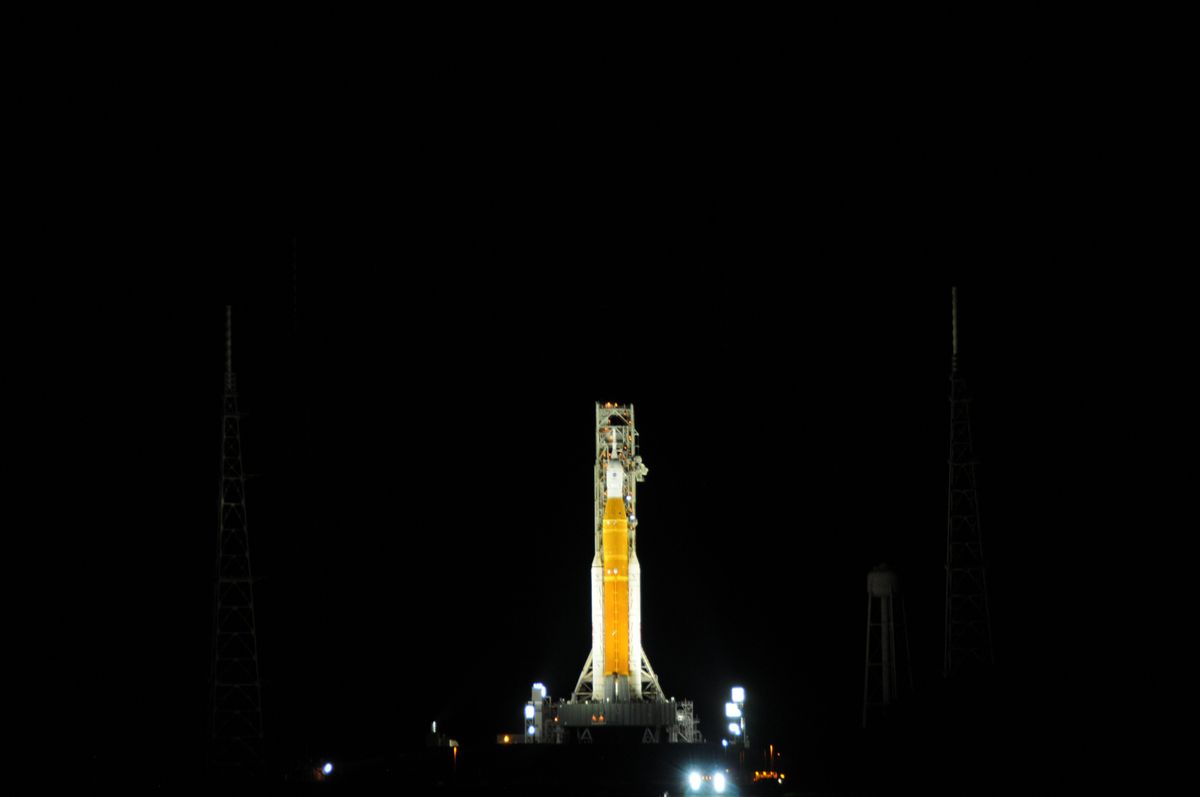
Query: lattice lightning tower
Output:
(968,632)
(236,696)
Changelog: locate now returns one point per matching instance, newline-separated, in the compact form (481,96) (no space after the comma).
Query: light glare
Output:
(529,711)
(738,694)
(328,768)
(719,782)
(694,781)
(733,711)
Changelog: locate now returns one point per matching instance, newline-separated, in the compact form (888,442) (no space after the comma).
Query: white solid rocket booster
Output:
(635,622)
(597,625)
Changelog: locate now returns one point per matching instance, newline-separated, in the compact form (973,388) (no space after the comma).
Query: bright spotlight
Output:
(734,729)
(694,780)
(738,694)
(529,712)
(719,782)
(327,769)
(724,742)
(530,730)
(733,711)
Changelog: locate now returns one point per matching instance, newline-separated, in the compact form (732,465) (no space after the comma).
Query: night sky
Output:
(420,431)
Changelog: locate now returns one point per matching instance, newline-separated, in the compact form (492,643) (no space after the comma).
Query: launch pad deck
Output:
(600,713)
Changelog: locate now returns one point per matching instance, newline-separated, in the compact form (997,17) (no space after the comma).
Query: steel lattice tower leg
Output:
(236,695)
(968,633)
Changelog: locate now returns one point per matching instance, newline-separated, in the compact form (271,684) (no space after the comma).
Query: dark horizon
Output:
(376,421)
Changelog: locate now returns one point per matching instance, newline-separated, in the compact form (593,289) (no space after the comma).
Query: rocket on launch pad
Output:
(618,692)
(617,668)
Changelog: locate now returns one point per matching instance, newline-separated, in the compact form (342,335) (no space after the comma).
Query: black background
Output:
(420,434)
(424,320)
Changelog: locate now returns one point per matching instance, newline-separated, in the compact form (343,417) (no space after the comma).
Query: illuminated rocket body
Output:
(615,547)
(616,597)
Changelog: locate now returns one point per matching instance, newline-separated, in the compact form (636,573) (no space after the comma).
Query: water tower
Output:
(881,680)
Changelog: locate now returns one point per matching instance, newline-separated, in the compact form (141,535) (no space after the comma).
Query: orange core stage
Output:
(616,588)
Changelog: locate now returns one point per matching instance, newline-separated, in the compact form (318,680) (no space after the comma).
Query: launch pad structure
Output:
(617,687)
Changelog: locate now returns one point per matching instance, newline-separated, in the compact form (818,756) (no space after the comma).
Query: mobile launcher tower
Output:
(617,687)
